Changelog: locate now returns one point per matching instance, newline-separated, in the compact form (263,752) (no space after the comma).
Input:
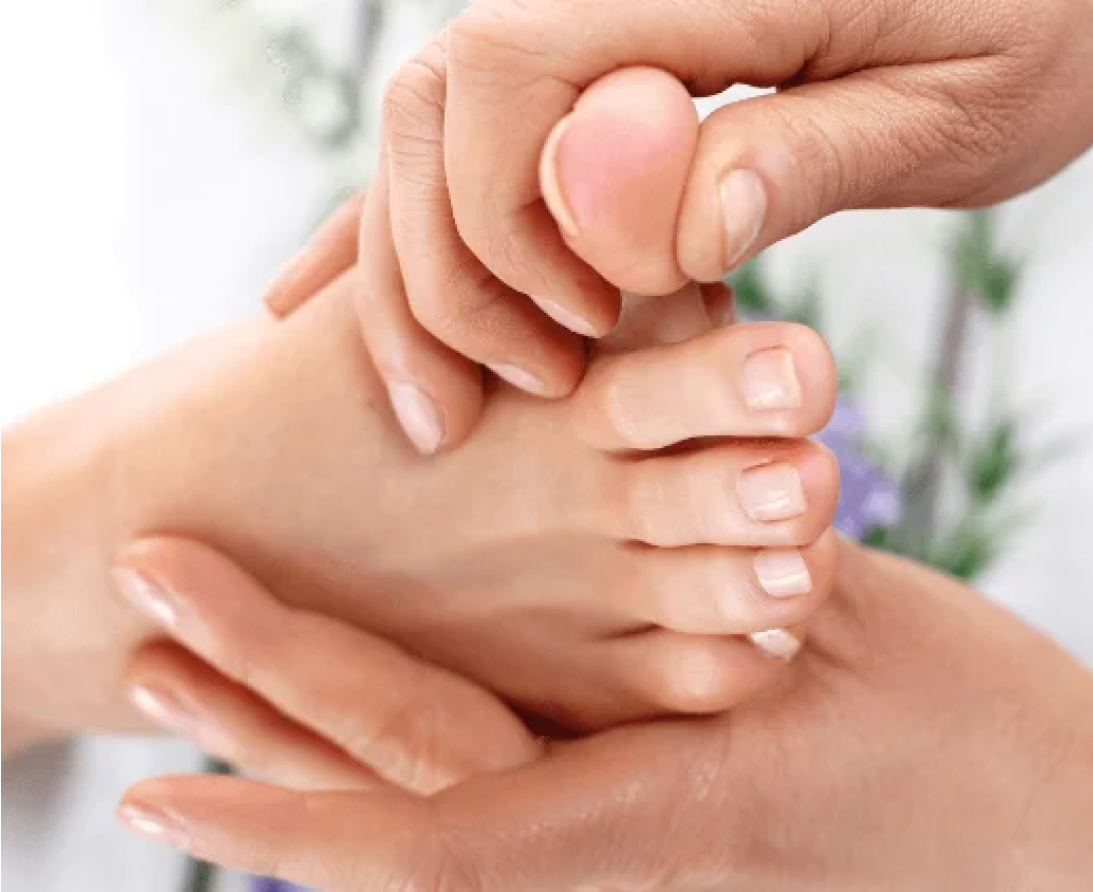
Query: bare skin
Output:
(562,557)
(530,170)
(924,739)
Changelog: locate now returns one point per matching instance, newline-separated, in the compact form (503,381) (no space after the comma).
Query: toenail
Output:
(777,643)
(418,415)
(771,492)
(782,572)
(770,380)
(519,377)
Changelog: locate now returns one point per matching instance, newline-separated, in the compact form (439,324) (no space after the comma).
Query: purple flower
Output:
(268,884)
(868,499)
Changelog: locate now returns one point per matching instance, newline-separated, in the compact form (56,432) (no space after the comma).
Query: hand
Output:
(517,165)
(298,697)
(924,739)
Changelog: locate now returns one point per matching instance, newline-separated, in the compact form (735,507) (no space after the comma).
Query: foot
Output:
(594,559)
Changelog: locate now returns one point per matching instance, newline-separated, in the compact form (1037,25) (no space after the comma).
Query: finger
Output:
(590,816)
(770,166)
(720,303)
(329,840)
(515,70)
(768,379)
(451,294)
(183,695)
(330,251)
(416,726)
(435,393)
(624,153)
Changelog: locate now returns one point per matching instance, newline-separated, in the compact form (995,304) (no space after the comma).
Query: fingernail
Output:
(567,318)
(519,377)
(743,211)
(771,492)
(419,416)
(777,643)
(782,572)
(549,181)
(155,823)
(147,595)
(168,712)
(770,380)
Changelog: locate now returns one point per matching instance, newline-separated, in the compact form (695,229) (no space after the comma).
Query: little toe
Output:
(770,379)
(675,673)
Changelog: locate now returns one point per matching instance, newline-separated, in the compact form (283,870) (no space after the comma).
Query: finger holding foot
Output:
(181,694)
(400,718)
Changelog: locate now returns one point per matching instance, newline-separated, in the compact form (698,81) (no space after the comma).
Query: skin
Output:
(562,557)
(511,141)
(924,738)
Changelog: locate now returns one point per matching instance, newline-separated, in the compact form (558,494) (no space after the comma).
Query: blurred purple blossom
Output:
(868,498)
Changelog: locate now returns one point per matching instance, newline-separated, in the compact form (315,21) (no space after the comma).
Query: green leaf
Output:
(993,463)
(753,296)
(806,308)
(980,268)
(966,552)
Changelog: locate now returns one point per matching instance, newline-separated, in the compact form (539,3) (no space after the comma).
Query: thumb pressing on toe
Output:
(613,172)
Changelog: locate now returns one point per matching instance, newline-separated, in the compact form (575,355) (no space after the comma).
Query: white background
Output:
(147,196)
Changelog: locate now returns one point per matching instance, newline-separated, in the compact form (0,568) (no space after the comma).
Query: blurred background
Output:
(163,158)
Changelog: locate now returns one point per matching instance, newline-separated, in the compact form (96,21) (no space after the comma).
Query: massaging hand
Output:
(295,696)
(520,162)
(924,739)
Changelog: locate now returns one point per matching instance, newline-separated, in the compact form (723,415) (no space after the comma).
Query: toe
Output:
(705,590)
(749,493)
(675,673)
(770,379)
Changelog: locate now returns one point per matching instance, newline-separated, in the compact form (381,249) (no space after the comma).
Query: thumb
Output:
(594,813)
(772,165)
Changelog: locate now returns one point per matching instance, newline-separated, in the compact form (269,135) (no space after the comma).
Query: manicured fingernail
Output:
(549,181)
(771,492)
(567,318)
(419,416)
(770,380)
(166,710)
(743,211)
(777,643)
(155,823)
(147,595)
(519,377)
(782,572)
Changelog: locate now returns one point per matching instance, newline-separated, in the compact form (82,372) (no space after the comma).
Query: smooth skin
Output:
(511,142)
(923,739)
(563,557)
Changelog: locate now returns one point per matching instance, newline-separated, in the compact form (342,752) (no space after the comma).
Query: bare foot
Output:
(594,558)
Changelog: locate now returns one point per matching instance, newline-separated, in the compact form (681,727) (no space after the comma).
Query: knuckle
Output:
(492,38)
(610,395)
(646,503)
(413,102)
